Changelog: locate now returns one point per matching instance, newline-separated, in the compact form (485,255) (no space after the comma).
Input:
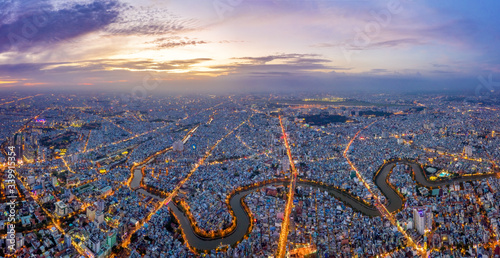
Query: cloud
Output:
(278,65)
(99,65)
(34,83)
(7,69)
(397,42)
(45,26)
(149,21)
(266,74)
(172,42)
(378,71)
(266,59)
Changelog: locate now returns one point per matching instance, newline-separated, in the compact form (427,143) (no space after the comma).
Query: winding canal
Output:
(394,201)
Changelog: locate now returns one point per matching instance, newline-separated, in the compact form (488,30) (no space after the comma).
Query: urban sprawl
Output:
(298,175)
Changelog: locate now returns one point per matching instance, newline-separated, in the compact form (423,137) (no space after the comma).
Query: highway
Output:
(289,203)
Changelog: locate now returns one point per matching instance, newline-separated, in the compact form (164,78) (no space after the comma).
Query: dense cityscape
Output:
(256,175)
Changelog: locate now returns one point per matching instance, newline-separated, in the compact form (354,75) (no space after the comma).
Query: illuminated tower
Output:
(422,218)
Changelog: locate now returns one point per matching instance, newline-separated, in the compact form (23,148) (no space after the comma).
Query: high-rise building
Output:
(18,139)
(94,243)
(99,217)
(111,238)
(67,240)
(18,146)
(91,213)
(422,218)
(100,205)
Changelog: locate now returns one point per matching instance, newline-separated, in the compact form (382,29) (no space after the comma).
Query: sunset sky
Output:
(234,44)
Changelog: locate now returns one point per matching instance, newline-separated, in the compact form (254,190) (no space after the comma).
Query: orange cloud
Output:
(116,81)
(85,83)
(34,83)
(8,82)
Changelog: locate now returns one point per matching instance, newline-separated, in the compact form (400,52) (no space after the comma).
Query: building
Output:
(61,208)
(91,213)
(468,150)
(31,180)
(67,240)
(111,238)
(285,164)
(429,126)
(178,146)
(94,243)
(19,240)
(18,142)
(422,218)
(106,191)
(99,217)
(100,204)
(54,181)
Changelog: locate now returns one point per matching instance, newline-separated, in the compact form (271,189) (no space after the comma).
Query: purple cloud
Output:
(39,24)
